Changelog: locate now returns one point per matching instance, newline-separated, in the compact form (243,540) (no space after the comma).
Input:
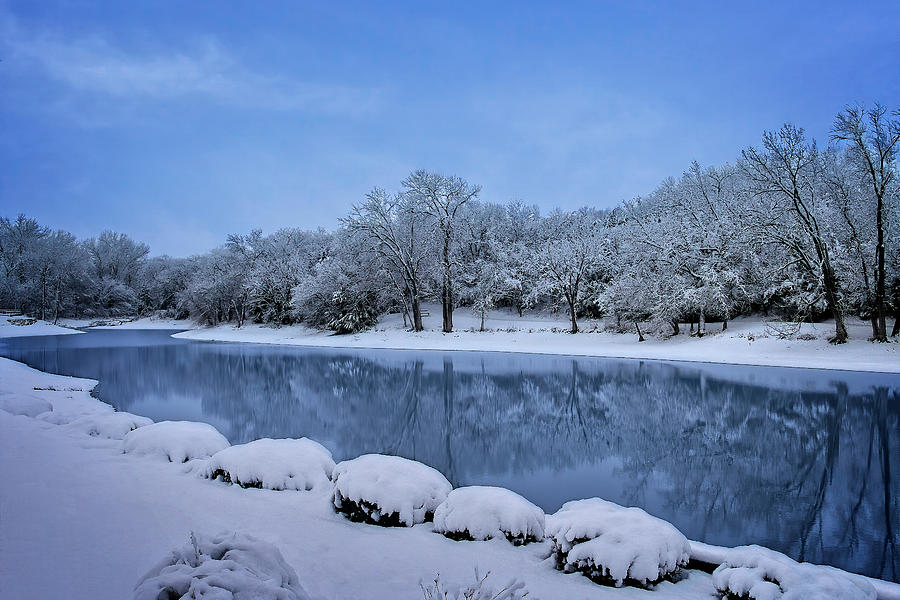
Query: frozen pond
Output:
(799,460)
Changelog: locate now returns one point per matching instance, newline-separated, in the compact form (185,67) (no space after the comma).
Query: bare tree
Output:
(442,197)
(788,173)
(875,139)
(393,225)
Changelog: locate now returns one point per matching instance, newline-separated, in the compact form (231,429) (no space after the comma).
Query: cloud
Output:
(93,65)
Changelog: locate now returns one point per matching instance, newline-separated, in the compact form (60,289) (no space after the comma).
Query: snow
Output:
(9,328)
(484,512)
(28,406)
(226,566)
(388,490)
(177,441)
(748,341)
(95,520)
(608,541)
(144,323)
(762,574)
(284,464)
(109,425)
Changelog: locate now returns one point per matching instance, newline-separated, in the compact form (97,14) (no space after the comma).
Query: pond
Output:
(800,460)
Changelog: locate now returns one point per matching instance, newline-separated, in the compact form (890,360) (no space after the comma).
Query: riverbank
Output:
(747,341)
(83,520)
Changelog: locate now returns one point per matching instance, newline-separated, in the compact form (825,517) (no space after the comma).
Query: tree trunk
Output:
(881,333)
(896,329)
(482,319)
(572,317)
(701,326)
(519,306)
(640,335)
(447,288)
(725,325)
(446,309)
(675,328)
(417,314)
(833,300)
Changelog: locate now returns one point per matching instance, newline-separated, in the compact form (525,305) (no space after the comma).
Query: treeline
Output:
(789,229)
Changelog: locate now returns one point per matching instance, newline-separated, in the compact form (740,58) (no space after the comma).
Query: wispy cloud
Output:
(96,66)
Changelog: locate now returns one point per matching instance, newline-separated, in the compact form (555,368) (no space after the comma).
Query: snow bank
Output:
(758,573)
(274,464)
(483,512)
(110,425)
(388,490)
(28,406)
(178,441)
(226,566)
(23,326)
(612,544)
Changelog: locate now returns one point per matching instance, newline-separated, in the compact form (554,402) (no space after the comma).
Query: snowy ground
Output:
(747,341)
(8,328)
(80,519)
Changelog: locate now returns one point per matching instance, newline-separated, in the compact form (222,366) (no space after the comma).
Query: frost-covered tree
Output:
(395,228)
(574,251)
(873,138)
(787,176)
(442,197)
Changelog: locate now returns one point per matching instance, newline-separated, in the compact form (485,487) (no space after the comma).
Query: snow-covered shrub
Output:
(756,573)
(388,490)
(111,425)
(28,406)
(614,545)
(477,590)
(273,464)
(482,512)
(177,441)
(229,566)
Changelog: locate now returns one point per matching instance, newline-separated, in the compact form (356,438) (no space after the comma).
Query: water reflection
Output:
(802,461)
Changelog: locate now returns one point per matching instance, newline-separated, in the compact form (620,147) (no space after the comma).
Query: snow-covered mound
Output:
(273,464)
(28,406)
(388,490)
(612,544)
(111,425)
(756,573)
(178,441)
(227,566)
(482,512)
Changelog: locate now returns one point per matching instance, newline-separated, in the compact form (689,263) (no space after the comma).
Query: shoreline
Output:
(20,433)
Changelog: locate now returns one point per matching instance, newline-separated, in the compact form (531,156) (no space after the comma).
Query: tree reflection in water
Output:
(801,461)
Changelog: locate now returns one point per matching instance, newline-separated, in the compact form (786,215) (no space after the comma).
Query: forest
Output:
(790,230)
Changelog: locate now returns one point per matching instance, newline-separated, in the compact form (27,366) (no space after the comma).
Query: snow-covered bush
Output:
(111,425)
(388,490)
(614,545)
(273,464)
(229,566)
(177,441)
(482,512)
(756,573)
(28,406)
(477,590)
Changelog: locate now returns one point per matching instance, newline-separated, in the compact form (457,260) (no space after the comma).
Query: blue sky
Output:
(181,122)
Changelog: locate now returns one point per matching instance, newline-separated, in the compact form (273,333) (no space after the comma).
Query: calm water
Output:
(799,460)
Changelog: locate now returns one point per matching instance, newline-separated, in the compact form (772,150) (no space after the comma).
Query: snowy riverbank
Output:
(748,341)
(83,520)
